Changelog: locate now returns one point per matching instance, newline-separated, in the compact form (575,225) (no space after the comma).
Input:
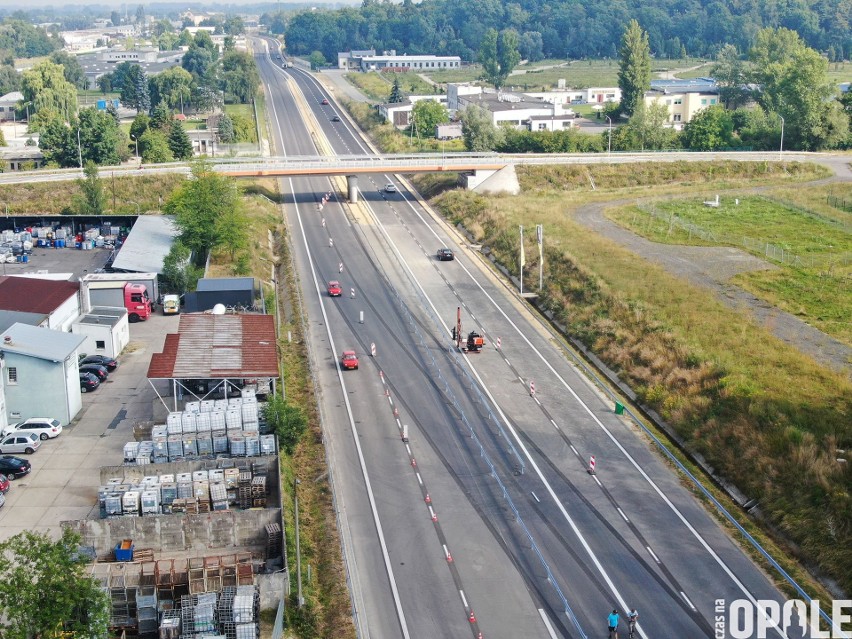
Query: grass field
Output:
(378,86)
(816,285)
(731,390)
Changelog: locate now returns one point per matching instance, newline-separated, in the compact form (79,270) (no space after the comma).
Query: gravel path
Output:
(712,267)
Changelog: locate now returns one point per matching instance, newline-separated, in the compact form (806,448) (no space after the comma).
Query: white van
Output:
(171,304)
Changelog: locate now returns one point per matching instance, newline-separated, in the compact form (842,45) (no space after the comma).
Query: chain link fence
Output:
(770,251)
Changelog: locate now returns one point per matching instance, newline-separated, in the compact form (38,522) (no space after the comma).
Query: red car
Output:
(349,360)
(334,289)
(325,101)
(4,484)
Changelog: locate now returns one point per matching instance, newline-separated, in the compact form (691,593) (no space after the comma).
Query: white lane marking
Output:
(575,450)
(535,497)
(719,561)
(419,479)
(386,557)
(686,599)
(588,549)
(653,554)
(464,601)
(408,450)
(547,624)
(623,516)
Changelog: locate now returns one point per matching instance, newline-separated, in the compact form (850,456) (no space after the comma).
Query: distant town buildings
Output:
(683,98)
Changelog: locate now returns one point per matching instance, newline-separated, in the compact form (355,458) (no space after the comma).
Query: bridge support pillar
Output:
(352,186)
(492,181)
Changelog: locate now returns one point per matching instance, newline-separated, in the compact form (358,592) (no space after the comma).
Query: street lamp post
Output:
(609,139)
(136,140)
(298,554)
(781,148)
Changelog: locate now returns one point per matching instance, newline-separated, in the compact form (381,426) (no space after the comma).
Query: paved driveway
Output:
(64,482)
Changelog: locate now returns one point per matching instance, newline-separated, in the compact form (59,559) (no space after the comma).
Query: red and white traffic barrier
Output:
(532,388)
(323,222)
(331,242)
(373,349)
(498,343)
(592,465)
(340,267)
(352,292)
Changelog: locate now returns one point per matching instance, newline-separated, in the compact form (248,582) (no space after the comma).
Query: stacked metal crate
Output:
(146,609)
(238,612)
(198,615)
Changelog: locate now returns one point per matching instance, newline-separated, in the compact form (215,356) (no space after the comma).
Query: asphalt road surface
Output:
(486,520)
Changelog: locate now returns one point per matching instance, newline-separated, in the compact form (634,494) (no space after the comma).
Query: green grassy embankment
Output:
(768,418)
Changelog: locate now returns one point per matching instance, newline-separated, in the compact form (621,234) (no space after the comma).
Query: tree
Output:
(2,138)
(239,75)
(178,271)
(226,129)
(232,230)
(143,97)
(478,129)
(179,141)
(10,80)
(531,46)
(634,72)
(317,60)
(57,142)
(234,26)
(286,421)
(498,54)
(140,124)
(794,83)
(44,86)
(730,75)
(162,27)
(140,15)
(154,147)
(47,588)
(101,139)
(105,83)
(161,117)
(710,129)
(647,127)
(134,90)
(92,198)
(395,94)
(427,114)
(71,69)
(115,18)
(197,60)
(197,206)
(172,86)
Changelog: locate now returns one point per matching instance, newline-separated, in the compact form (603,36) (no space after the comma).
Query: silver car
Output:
(20,443)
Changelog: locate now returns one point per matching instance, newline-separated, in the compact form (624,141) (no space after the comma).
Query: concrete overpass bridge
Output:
(476,169)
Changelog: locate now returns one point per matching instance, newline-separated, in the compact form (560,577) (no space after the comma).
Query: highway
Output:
(486,520)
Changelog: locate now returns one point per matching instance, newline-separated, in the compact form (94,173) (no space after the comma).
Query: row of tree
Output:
(22,39)
(561,28)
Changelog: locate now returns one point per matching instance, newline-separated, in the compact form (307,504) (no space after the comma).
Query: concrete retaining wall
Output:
(205,534)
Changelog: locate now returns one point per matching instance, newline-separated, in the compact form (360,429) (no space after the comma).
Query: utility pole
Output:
(301,602)
(539,234)
(523,260)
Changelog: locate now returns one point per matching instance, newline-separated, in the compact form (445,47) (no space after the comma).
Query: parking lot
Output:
(65,473)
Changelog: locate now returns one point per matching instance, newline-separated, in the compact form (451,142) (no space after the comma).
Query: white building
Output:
(106,331)
(515,109)
(369,61)
(9,104)
(399,113)
(683,98)
(594,95)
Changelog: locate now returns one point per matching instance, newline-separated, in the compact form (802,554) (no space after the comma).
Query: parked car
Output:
(27,443)
(334,289)
(390,188)
(4,484)
(44,427)
(101,372)
(349,360)
(102,360)
(14,467)
(88,382)
(445,254)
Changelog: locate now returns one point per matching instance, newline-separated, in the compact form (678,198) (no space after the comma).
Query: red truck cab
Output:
(136,301)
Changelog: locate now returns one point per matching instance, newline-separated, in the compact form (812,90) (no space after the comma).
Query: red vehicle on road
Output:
(325,100)
(349,360)
(334,289)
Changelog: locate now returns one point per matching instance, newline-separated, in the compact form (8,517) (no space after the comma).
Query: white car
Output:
(390,188)
(44,427)
(20,443)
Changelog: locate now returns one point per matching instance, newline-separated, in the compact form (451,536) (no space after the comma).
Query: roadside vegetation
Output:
(812,253)
(767,418)
(378,86)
